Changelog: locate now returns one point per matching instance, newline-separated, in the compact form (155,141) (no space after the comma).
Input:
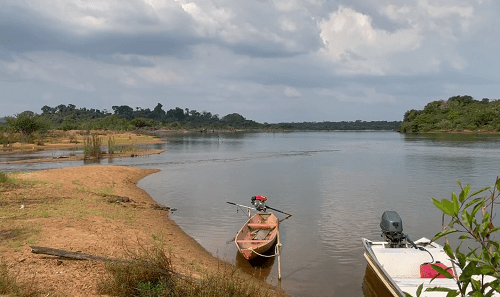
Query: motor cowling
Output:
(392,229)
(259,202)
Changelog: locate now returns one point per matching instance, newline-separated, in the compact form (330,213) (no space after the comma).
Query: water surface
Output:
(336,185)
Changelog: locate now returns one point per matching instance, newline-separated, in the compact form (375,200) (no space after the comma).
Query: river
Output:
(335,184)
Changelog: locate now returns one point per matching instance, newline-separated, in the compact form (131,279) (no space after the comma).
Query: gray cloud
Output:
(271,61)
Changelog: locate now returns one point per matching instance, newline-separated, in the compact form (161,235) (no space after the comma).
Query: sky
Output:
(270,61)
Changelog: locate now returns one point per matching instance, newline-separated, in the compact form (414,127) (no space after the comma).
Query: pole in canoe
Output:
(279,253)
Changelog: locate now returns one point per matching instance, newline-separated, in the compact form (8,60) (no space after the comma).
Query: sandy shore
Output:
(71,210)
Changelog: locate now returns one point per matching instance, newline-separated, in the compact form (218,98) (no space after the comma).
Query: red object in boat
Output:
(261,198)
(426,270)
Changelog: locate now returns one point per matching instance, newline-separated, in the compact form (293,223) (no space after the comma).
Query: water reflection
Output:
(259,267)
(372,285)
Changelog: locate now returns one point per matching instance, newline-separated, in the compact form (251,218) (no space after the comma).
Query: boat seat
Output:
(415,282)
(261,226)
(406,263)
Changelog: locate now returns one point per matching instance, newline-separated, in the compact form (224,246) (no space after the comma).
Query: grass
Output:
(27,200)
(16,237)
(9,284)
(150,273)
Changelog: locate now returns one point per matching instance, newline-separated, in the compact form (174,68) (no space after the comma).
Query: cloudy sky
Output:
(270,61)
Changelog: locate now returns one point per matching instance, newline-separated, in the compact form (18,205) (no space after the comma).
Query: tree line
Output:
(458,113)
(123,117)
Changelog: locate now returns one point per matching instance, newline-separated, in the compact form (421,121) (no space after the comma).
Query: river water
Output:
(336,185)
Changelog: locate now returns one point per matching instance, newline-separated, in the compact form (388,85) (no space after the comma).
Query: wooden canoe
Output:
(257,235)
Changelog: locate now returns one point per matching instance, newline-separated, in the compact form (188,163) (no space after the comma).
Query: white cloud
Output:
(351,40)
(291,92)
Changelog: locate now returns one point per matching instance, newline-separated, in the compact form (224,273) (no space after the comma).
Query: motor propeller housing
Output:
(392,229)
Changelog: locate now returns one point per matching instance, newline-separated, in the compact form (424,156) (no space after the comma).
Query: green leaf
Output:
(483,229)
(477,260)
(452,294)
(461,258)
(464,237)
(467,219)
(464,193)
(442,271)
(468,271)
(494,230)
(476,284)
(486,216)
(474,201)
(419,289)
(439,289)
(443,233)
(456,204)
(448,251)
(477,207)
(486,270)
(446,206)
(480,191)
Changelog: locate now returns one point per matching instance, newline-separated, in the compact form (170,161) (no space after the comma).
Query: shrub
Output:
(472,216)
(28,123)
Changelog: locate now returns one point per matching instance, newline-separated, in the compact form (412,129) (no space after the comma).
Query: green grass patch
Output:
(3,177)
(104,191)
(15,237)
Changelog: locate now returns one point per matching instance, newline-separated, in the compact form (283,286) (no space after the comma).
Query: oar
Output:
(289,215)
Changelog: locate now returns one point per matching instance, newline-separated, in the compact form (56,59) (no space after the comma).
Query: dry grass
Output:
(150,273)
(9,284)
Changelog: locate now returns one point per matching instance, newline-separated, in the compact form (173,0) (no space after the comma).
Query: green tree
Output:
(27,123)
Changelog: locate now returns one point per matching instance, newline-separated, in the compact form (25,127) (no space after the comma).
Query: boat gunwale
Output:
(379,270)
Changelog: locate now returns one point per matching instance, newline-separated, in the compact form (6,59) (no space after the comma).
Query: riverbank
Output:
(95,210)
(124,144)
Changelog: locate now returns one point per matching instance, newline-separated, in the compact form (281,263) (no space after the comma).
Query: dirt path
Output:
(71,210)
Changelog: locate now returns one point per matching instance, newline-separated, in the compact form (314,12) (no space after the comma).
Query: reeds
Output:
(92,146)
(111,145)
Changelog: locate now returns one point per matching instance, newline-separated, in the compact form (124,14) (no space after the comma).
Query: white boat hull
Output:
(399,268)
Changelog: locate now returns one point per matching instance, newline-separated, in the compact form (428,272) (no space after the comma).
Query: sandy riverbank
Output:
(70,210)
(126,144)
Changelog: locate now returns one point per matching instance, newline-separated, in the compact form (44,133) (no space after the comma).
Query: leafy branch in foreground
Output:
(472,217)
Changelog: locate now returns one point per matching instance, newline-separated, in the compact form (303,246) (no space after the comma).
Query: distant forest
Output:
(69,117)
(458,113)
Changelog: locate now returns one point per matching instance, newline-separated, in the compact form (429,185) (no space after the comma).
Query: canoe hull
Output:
(258,235)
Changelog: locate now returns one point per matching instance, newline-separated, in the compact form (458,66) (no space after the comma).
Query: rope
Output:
(276,251)
(419,248)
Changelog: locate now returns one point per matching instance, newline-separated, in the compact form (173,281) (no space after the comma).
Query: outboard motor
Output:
(259,202)
(392,229)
